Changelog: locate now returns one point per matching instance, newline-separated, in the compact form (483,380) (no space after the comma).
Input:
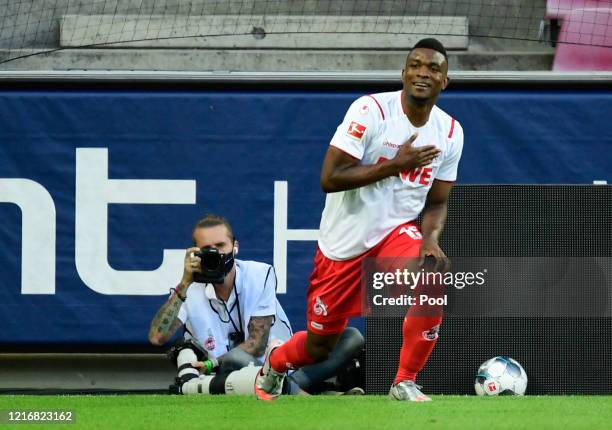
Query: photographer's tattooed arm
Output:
(259,330)
(165,323)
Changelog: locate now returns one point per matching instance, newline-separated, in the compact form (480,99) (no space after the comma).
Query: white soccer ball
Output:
(501,376)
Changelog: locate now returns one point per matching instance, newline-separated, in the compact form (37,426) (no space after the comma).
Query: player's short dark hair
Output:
(431,43)
(212,220)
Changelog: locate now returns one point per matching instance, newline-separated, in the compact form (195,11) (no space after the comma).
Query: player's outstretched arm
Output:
(434,218)
(341,172)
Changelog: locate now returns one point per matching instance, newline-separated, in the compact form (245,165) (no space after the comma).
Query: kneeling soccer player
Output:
(394,155)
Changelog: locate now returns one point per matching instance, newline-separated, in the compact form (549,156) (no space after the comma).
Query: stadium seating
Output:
(268,36)
(585,33)
(261,31)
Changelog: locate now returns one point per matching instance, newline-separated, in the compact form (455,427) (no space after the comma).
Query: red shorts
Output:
(335,290)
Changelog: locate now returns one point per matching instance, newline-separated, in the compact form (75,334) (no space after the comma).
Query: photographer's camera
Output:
(214,265)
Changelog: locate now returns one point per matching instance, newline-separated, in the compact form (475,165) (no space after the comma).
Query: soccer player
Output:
(394,155)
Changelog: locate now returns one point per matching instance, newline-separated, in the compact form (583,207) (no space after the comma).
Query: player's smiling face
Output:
(425,74)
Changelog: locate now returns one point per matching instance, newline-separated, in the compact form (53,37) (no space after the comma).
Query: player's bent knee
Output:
(320,346)
(320,353)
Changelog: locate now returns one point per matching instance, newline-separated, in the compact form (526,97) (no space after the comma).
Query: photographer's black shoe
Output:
(176,387)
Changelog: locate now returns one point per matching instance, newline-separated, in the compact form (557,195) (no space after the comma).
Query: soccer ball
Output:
(501,376)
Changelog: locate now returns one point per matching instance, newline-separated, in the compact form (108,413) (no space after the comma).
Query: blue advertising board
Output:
(99,190)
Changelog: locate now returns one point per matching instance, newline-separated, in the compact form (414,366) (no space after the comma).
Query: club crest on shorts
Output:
(210,343)
(432,333)
(319,307)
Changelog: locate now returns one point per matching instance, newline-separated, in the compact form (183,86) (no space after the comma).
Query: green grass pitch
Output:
(319,412)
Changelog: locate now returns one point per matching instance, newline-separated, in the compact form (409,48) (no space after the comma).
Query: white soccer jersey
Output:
(373,129)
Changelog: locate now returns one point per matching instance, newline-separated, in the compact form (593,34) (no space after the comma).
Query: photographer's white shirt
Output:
(212,322)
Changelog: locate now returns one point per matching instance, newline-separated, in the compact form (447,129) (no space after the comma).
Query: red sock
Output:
(420,335)
(292,354)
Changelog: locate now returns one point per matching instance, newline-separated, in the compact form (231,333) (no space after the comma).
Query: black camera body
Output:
(215,265)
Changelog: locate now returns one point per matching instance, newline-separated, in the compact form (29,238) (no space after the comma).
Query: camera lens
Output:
(211,260)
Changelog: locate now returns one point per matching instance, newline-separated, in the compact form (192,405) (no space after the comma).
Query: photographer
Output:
(230,313)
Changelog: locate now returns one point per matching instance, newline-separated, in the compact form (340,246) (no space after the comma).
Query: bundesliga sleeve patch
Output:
(356,130)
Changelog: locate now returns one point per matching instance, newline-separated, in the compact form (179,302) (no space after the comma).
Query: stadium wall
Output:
(99,188)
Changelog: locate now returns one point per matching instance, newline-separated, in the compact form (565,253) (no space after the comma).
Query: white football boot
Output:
(408,391)
(269,382)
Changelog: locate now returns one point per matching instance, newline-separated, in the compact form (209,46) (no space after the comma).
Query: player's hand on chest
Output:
(387,144)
